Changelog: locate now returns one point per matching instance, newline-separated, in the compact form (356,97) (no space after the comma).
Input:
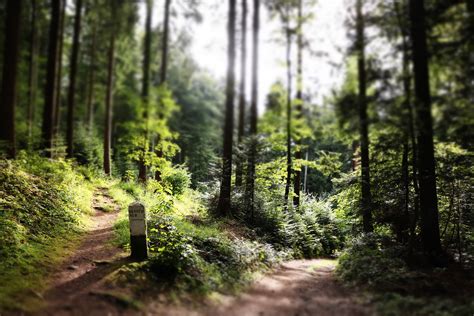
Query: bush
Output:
(178,180)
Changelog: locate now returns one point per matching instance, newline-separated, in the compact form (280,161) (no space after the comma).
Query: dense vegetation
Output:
(379,173)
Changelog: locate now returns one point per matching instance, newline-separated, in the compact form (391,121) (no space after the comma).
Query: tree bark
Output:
(32,70)
(109,104)
(90,97)
(164,64)
(366,196)
(426,165)
(224,204)
(250,181)
(57,111)
(72,80)
(299,105)
(288,113)
(51,79)
(242,102)
(142,168)
(10,74)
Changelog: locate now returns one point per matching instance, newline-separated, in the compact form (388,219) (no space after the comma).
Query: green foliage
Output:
(41,202)
(178,179)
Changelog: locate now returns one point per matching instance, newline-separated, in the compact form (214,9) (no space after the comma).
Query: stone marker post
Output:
(138,237)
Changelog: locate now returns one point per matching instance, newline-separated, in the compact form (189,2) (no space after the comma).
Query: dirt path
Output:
(301,287)
(77,287)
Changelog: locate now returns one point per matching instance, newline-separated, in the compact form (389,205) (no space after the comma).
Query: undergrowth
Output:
(393,277)
(42,205)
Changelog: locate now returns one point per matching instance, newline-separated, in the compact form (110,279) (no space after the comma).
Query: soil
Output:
(78,285)
(300,287)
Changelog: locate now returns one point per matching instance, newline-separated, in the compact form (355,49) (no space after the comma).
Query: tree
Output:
(142,168)
(51,79)
(225,188)
(243,84)
(366,197)
(299,100)
(91,79)
(10,74)
(250,182)
(430,236)
(289,162)
(164,62)
(109,96)
(72,79)
(59,79)
(32,69)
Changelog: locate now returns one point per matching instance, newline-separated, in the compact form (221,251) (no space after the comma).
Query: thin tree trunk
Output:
(225,189)
(142,168)
(109,104)
(242,102)
(90,97)
(366,196)
(72,80)
(57,111)
(426,165)
(32,70)
(288,113)
(164,65)
(250,182)
(51,79)
(9,79)
(299,104)
(409,132)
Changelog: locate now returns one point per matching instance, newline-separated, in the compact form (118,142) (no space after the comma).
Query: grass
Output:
(44,208)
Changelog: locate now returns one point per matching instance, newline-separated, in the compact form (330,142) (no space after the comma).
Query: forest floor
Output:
(80,287)
(298,287)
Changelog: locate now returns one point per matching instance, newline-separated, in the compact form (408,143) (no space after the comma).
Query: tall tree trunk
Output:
(59,101)
(299,104)
(250,182)
(426,164)
(164,64)
(109,104)
(225,189)
(51,79)
(90,96)
(142,168)
(366,196)
(71,104)
(410,137)
(242,102)
(32,70)
(288,112)
(10,74)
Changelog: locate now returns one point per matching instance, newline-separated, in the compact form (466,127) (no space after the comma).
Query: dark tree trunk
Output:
(32,70)
(108,105)
(142,168)
(366,196)
(299,105)
(51,79)
(164,64)
(426,164)
(59,101)
(90,97)
(225,189)
(409,132)
(10,74)
(288,113)
(250,182)
(242,102)
(71,104)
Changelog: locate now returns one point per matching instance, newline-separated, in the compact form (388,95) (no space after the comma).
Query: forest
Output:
(236,157)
